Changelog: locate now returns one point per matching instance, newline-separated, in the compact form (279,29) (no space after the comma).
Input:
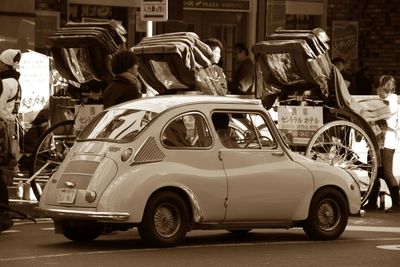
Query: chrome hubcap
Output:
(166,220)
(328,216)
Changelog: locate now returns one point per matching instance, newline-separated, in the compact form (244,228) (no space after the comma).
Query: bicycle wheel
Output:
(50,151)
(346,145)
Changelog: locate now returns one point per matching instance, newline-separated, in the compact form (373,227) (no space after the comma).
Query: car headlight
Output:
(126,154)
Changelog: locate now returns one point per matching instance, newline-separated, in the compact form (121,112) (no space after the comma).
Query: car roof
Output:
(161,103)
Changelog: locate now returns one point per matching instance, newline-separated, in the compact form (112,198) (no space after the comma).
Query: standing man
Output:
(9,95)
(388,142)
(125,86)
(242,79)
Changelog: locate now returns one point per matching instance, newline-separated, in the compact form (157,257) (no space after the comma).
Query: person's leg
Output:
(373,197)
(3,191)
(5,221)
(391,181)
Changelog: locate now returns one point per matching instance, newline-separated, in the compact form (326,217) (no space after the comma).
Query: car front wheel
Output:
(328,215)
(165,220)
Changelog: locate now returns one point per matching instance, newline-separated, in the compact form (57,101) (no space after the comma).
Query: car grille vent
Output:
(83,166)
(149,152)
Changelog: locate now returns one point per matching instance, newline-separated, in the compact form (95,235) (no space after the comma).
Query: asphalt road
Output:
(372,240)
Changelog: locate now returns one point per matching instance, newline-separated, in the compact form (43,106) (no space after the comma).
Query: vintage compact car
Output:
(171,164)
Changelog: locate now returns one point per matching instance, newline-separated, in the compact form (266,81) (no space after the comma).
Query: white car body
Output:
(240,188)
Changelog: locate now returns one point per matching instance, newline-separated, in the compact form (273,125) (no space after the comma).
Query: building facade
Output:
(365,33)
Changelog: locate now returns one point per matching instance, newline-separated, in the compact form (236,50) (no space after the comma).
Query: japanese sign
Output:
(154,10)
(218,5)
(345,39)
(298,123)
(35,90)
(85,114)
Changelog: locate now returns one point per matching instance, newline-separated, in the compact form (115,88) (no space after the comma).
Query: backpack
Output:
(16,97)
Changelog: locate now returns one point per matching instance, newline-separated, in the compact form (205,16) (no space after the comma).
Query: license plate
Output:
(67,196)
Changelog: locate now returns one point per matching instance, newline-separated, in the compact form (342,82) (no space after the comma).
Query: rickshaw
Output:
(169,64)
(81,55)
(293,69)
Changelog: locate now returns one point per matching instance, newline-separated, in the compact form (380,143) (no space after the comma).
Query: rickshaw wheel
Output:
(345,145)
(51,148)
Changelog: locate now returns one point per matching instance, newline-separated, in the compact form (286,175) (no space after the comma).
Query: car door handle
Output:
(277,153)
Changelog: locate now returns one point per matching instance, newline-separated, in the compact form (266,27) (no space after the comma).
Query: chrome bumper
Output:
(83,215)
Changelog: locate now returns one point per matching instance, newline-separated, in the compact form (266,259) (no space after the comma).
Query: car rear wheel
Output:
(328,215)
(81,232)
(165,220)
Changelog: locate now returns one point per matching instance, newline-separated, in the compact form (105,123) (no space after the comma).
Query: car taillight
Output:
(90,196)
(126,154)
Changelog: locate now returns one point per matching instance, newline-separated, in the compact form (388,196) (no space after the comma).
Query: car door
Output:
(263,182)
(195,163)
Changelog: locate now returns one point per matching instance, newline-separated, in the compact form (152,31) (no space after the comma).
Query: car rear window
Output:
(117,125)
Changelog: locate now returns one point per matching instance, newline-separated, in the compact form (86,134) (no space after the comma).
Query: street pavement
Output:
(371,240)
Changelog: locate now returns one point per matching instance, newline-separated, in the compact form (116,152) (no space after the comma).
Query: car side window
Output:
(263,131)
(187,131)
(243,130)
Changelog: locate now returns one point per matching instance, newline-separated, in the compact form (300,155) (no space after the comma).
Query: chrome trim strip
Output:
(88,215)
(197,214)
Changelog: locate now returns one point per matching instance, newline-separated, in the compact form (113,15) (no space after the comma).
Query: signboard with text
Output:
(154,10)
(345,39)
(299,123)
(218,5)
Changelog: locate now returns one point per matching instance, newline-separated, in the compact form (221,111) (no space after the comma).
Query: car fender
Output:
(131,190)
(327,175)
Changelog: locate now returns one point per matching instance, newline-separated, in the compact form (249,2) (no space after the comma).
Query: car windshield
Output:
(117,125)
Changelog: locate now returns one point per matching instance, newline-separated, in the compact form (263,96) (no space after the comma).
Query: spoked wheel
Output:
(346,145)
(328,215)
(165,220)
(50,151)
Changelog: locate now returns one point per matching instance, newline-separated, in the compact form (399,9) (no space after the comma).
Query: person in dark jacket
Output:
(125,85)
(348,77)
(216,73)
(242,78)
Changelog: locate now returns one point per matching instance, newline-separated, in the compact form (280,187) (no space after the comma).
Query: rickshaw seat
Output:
(81,51)
(291,62)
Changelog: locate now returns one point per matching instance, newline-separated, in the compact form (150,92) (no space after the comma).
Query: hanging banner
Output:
(299,123)
(35,81)
(345,40)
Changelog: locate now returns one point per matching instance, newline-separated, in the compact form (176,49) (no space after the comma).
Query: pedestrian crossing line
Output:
(10,231)
(381,229)
(389,247)
(47,229)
